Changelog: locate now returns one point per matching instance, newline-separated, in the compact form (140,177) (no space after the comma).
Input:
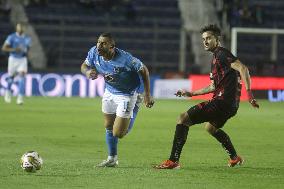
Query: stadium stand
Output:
(150,29)
(5,29)
(255,50)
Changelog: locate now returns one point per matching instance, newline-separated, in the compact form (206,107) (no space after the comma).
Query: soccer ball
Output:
(31,161)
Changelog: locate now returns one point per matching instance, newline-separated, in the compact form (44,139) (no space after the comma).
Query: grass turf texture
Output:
(69,135)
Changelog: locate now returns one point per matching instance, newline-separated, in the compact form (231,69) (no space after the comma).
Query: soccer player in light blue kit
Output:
(17,45)
(122,73)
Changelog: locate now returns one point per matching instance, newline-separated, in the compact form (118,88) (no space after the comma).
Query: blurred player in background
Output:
(226,71)
(17,45)
(122,73)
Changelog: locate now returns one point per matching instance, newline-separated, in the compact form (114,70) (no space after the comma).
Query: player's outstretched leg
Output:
(112,143)
(8,92)
(178,143)
(112,159)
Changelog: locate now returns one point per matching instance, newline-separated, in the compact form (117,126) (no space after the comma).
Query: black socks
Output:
(225,140)
(178,142)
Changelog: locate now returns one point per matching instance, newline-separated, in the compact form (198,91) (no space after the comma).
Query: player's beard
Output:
(107,54)
(102,52)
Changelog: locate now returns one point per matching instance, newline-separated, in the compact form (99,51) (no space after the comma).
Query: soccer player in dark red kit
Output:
(225,85)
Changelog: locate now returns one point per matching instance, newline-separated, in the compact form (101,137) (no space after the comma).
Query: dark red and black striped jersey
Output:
(226,80)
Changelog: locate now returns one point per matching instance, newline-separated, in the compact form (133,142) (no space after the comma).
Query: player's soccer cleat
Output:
(233,162)
(108,163)
(7,96)
(168,164)
(20,100)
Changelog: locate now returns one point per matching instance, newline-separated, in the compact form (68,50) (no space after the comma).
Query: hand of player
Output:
(92,74)
(18,50)
(183,93)
(252,100)
(148,101)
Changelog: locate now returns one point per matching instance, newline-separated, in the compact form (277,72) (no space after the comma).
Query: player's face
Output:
(19,28)
(104,46)
(210,42)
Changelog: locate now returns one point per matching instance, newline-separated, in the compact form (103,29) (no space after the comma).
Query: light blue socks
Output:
(111,143)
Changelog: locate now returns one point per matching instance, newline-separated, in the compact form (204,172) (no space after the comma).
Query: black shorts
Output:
(216,112)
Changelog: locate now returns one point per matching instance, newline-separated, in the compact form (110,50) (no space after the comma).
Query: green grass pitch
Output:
(69,135)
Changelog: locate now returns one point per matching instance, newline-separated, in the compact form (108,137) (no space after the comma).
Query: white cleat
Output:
(108,163)
(20,100)
(7,97)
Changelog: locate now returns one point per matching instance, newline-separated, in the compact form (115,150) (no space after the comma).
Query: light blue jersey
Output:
(121,73)
(21,41)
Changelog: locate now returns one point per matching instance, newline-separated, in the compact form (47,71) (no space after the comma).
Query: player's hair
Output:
(109,36)
(211,28)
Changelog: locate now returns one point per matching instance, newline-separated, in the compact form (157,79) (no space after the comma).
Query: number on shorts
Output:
(126,106)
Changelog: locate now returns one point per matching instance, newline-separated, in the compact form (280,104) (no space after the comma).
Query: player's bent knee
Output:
(210,129)
(183,119)
(118,135)
(108,127)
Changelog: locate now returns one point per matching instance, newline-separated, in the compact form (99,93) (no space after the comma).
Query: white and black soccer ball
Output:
(31,161)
